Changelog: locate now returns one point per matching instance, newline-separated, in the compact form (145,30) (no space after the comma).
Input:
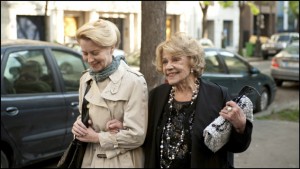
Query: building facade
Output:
(57,21)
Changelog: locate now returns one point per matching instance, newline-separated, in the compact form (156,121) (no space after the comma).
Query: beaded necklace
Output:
(172,151)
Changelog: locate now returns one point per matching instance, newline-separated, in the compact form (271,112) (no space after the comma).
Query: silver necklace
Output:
(173,150)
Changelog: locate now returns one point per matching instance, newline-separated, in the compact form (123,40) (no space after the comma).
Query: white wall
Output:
(219,14)
(188,13)
(191,19)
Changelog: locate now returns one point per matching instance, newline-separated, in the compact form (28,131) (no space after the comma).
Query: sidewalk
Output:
(275,144)
(255,59)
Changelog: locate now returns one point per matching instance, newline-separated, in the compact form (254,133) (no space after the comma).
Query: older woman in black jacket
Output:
(181,109)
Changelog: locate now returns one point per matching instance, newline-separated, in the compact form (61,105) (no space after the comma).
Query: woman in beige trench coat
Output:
(117,94)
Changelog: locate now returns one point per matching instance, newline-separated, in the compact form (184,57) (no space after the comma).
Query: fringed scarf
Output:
(106,72)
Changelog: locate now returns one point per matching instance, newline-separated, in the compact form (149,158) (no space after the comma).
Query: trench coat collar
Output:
(111,90)
(116,76)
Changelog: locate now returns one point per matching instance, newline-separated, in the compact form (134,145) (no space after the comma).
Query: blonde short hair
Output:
(182,45)
(101,32)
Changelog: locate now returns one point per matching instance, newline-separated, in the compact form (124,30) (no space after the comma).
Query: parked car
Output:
(233,71)
(39,100)
(277,42)
(205,42)
(76,47)
(285,65)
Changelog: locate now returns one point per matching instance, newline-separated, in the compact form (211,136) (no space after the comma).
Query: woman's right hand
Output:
(114,126)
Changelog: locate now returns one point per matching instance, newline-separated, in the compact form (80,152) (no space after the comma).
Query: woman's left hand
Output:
(114,126)
(235,115)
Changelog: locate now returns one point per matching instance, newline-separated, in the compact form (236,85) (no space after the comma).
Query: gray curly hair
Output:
(182,45)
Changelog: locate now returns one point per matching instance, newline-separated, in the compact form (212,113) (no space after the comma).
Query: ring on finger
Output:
(229,108)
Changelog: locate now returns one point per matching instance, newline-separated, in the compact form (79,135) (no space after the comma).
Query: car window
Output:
(26,71)
(11,72)
(283,38)
(295,38)
(211,63)
(71,67)
(234,65)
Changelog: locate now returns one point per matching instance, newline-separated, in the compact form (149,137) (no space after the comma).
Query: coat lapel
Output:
(109,91)
(93,96)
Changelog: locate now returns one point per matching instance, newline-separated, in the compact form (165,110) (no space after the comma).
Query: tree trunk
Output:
(241,36)
(204,24)
(204,9)
(153,32)
(46,22)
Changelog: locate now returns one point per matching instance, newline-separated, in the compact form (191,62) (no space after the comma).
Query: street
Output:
(286,96)
(275,144)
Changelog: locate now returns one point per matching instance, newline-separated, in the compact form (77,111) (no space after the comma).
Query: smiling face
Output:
(98,57)
(176,69)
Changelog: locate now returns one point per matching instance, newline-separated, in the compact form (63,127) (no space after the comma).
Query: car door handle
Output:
(74,104)
(12,111)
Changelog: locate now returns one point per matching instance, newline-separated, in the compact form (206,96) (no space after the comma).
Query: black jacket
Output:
(211,99)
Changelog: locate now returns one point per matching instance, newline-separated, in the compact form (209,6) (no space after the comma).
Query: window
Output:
(212,64)
(27,72)
(234,65)
(227,36)
(31,27)
(71,67)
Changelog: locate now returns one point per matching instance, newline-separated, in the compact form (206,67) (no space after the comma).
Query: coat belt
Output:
(101,155)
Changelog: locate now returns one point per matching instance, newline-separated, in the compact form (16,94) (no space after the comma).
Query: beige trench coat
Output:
(124,96)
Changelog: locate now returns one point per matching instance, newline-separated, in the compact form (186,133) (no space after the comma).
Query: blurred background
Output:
(244,39)
(234,25)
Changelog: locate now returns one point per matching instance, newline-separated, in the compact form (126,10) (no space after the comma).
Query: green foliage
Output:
(253,8)
(284,115)
(206,3)
(226,4)
(294,6)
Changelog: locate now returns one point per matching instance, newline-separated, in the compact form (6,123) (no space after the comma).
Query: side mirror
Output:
(254,70)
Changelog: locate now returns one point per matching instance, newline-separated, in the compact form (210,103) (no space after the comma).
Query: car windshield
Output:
(283,38)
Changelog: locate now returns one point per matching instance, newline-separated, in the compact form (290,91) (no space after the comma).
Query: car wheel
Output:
(4,161)
(263,101)
(278,82)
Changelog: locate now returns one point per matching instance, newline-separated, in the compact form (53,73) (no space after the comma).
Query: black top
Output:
(211,99)
(177,139)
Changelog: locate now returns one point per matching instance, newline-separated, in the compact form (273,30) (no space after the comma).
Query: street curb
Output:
(275,108)
(256,59)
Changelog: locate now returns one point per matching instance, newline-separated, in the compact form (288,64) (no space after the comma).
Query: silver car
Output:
(285,65)
(278,42)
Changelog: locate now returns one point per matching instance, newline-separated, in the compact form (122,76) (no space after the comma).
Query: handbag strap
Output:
(85,112)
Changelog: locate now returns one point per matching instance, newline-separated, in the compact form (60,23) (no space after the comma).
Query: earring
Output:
(192,70)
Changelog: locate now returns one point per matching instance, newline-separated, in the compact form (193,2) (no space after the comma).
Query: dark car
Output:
(277,42)
(285,65)
(233,71)
(39,100)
